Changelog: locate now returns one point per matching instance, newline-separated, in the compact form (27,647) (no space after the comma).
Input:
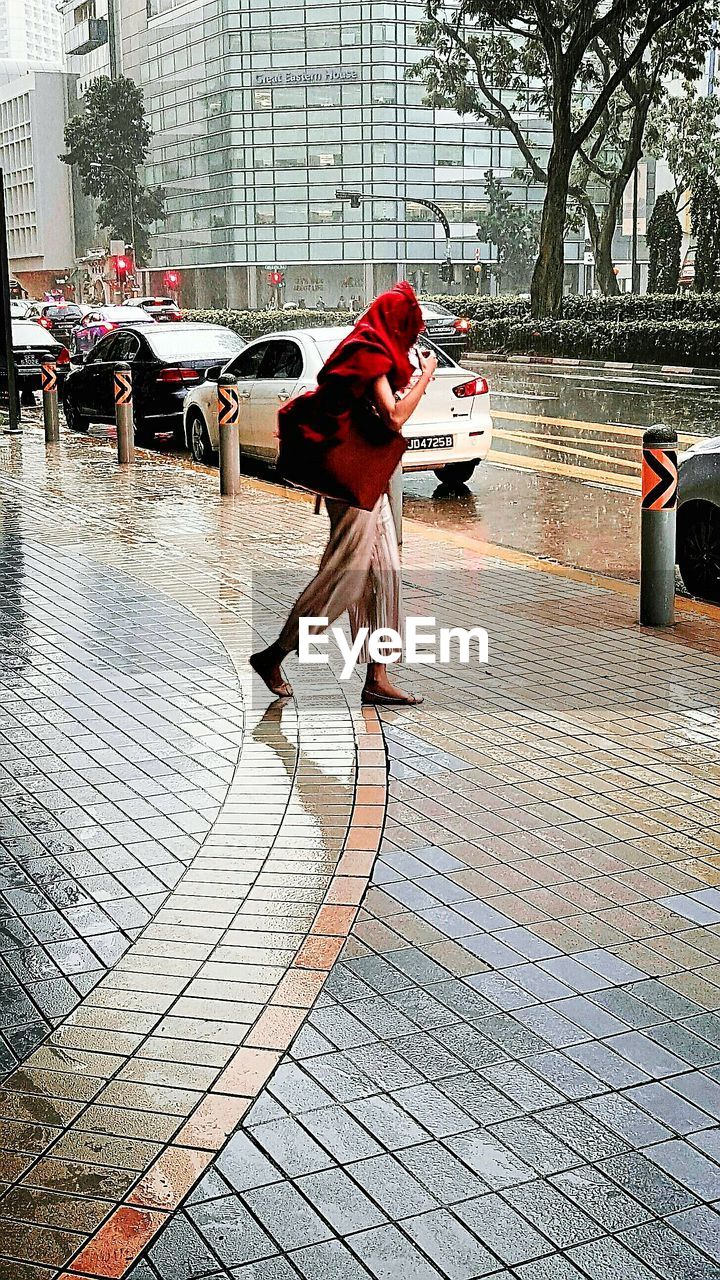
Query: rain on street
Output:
(563,477)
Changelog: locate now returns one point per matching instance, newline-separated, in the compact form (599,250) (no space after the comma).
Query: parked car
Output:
(698,519)
(448,331)
(166,361)
(449,432)
(158,308)
(102,320)
(61,319)
(32,346)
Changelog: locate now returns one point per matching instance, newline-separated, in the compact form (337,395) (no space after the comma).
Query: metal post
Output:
(5,321)
(635,273)
(51,412)
(657,537)
(395,494)
(122,383)
(229,430)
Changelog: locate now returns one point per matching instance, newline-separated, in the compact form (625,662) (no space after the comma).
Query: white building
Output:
(30,30)
(37,184)
(89,39)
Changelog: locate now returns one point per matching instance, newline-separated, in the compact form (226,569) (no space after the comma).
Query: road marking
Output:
(522,462)
(579,422)
(545,442)
(598,375)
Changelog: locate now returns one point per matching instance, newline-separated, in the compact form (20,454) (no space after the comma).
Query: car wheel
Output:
(698,550)
(73,419)
(199,439)
(455,473)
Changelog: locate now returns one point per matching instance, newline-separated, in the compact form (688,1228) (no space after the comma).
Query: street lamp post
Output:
(5,320)
(356,197)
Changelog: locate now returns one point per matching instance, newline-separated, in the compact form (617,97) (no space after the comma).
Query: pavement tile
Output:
(672,1256)
(340,1201)
(505,1232)
(287,1216)
(331,1260)
(388,1254)
(391,1186)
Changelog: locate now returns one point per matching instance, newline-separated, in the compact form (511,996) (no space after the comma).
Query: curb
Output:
(620,366)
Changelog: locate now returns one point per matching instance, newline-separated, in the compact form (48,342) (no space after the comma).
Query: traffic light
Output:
(121,269)
(171,279)
(276,278)
(444,272)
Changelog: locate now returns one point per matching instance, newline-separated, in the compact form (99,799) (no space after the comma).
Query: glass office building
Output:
(263,109)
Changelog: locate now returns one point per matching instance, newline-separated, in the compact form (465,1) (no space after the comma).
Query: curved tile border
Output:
(252,1055)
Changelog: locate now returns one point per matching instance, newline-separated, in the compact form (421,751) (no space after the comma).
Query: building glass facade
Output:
(262,109)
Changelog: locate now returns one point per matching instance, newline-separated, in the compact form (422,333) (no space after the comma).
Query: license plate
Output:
(430,442)
(28,359)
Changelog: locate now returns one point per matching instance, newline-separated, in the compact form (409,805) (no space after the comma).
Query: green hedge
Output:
(683,342)
(253,324)
(657,330)
(627,308)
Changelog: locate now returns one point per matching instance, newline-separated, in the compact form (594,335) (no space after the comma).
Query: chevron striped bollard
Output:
(122,386)
(658,519)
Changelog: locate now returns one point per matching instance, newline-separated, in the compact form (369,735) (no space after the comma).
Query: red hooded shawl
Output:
(331,439)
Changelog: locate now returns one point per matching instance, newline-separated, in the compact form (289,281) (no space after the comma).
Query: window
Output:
(282,359)
(246,365)
(126,346)
(103,350)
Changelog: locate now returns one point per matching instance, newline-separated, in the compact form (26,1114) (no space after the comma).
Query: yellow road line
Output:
(542,442)
(521,461)
(578,422)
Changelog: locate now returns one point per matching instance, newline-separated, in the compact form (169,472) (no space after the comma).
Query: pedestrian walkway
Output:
(509,1068)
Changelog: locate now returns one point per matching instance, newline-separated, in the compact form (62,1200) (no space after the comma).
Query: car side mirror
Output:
(213,373)
(77,357)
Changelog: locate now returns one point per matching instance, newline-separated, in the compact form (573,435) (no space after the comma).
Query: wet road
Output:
(563,477)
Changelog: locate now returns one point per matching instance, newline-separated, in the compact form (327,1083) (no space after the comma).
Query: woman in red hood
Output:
(360,568)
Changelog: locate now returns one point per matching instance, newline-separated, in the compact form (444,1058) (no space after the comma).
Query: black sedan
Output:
(32,346)
(166,361)
(448,331)
(61,319)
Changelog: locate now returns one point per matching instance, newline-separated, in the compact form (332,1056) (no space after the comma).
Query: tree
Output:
(664,238)
(705,215)
(513,229)
(508,61)
(684,131)
(109,141)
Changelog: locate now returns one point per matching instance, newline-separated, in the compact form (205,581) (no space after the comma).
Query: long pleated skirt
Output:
(359,574)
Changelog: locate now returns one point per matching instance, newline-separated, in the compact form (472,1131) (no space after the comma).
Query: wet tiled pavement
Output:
(513,1067)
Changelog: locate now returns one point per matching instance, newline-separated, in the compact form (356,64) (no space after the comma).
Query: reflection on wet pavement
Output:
(564,472)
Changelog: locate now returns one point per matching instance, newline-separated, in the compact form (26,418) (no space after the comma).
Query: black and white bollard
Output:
(658,519)
(229,432)
(124,414)
(51,410)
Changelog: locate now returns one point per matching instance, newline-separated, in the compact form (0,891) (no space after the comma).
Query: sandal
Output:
(370,699)
(280,688)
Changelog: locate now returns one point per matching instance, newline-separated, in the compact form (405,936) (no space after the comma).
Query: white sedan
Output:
(449,432)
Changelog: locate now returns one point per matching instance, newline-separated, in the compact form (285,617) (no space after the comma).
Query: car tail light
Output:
(462,325)
(177,376)
(63,356)
(476,387)
(46,324)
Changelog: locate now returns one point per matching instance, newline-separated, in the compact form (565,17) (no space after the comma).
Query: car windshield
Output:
(433,311)
(326,341)
(27,333)
(63,313)
(187,343)
(126,315)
